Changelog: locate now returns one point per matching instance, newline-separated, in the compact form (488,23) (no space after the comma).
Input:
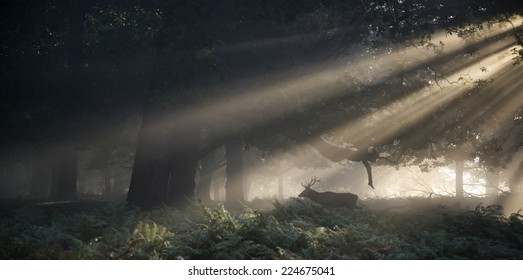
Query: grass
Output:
(295,229)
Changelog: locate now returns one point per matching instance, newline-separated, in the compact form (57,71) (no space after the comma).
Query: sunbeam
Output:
(391,119)
(254,105)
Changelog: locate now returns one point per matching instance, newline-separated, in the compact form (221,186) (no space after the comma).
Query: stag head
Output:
(308,191)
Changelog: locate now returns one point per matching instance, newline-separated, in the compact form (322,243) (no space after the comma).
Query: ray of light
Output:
(254,106)
(505,105)
(406,112)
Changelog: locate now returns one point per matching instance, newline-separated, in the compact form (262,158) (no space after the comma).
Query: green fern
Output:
(150,232)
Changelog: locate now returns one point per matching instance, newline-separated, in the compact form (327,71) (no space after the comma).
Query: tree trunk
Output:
(234,173)
(150,175)
(167,152)
(203,191)
(40,179)
(181,182)
(65,172)
(460,167)
(152,163)
(65,165)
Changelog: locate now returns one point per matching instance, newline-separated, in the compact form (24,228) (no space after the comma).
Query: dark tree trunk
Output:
(181,182)
(460,167)
(152,163)
(234,173)
(65,172)
(40,179)
(167,151)
(65,163)
(150,175)
(203,191)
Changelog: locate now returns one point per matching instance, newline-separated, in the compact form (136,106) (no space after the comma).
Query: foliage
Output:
(296,229)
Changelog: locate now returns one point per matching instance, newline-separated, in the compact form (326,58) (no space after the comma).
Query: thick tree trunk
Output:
(150,175)
(181,182)
(460,167)
(167,151)
(152,163)
(65,172)
(234,172)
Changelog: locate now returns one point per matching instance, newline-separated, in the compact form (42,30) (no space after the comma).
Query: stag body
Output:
(329,199)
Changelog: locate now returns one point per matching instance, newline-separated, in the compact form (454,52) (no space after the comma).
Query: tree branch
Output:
(338,154)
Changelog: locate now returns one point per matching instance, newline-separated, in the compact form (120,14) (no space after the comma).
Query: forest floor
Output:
(410,228)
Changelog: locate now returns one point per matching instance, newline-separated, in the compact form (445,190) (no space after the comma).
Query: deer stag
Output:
(329,199)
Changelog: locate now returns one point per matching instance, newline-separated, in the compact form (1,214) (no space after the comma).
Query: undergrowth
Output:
(296,229)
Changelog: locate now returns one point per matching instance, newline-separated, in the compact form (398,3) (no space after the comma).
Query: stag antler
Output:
(311,182)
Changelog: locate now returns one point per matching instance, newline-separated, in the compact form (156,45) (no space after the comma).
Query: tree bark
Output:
(234,172)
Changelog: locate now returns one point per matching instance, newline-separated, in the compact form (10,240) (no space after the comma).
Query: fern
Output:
(296,229)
